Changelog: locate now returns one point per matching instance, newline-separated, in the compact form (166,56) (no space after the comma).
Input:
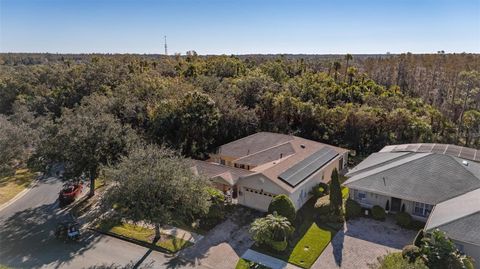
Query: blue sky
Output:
(240,27)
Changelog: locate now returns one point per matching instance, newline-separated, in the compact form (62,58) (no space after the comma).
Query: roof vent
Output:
(465,163)
(302,146)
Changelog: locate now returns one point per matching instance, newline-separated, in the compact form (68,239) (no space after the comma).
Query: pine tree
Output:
(335,193)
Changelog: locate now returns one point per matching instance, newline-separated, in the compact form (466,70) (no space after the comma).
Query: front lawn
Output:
(12,185)
(308,241)
(311,246)
(246,264)
(144,235)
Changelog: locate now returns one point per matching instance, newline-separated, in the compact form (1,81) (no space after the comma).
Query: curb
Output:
(19,195)
(134,241)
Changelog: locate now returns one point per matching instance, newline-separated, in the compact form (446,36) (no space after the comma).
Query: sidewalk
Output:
(266,260)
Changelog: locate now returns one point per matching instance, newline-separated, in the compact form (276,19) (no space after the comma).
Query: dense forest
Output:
(195,103)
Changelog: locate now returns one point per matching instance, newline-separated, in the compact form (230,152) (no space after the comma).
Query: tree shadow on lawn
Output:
(28,238)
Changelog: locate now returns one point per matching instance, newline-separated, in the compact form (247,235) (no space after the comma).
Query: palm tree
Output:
(273,228)
(336,66)
(348,57)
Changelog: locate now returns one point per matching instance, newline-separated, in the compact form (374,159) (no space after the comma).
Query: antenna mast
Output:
(165,37)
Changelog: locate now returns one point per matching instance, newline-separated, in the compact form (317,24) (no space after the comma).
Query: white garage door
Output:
(256,199)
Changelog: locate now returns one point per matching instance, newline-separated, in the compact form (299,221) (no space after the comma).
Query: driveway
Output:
(225,244)
(360,243)
(27,241)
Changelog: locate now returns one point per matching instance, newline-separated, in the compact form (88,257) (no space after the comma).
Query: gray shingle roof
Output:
(459,217)
(447,149)
(253,143)
(466,229)
(268,155)
(422,177)
(212,170)
(375,160)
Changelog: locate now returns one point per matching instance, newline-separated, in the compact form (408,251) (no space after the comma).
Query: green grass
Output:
(309,233)
(12,185)
(246,264)
(145,235)
(311,246)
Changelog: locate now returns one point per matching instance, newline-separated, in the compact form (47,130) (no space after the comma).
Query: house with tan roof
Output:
(260,166)
(435,183)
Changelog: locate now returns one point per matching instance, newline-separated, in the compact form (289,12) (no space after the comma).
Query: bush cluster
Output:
(378,213)
(323,205)
(352,209)
(403,219)
(411,252)
(283,205)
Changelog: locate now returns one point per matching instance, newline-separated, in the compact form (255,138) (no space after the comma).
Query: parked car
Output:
(69,193)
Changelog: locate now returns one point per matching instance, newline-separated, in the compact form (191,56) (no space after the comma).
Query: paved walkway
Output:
(266,260)
(222,246)
(180,233)
(361,242)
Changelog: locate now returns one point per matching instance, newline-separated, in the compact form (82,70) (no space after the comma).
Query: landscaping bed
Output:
(144,236)
(246,264)
(12,185)
(308,241)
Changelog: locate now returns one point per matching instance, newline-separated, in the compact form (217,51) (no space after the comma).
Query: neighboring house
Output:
(435,183)
(258,167)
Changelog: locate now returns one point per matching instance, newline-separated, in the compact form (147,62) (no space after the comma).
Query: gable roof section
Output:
(375,160)
(446,149)
(228,174)
(252,144)
(267,155)
(459,217)
(422,177)
(308,166)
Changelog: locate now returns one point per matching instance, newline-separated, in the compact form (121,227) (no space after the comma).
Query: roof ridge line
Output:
(278,145)
(252,135)
(403,156)
(450,221)
(413,159)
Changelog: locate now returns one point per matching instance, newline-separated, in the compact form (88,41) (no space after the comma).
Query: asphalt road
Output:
(27,240)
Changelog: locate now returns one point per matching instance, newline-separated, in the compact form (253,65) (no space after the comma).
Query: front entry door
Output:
(396,204)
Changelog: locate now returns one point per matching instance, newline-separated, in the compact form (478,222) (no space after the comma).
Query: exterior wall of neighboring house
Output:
(257,191)
(302,192)
(469,249)
(369,199)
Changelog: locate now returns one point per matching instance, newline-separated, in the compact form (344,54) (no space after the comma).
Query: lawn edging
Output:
(134,241)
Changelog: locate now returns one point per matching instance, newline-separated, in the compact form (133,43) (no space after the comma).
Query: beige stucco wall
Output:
(302,193)
(381,200)
(261,183)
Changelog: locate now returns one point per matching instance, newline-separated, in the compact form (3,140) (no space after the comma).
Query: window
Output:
(421,209)
(360,195)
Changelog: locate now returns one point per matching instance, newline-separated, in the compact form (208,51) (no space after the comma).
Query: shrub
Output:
(418,239)
(411,252)
(320,190)
(283,205)
(378,213)
(279,245)
(271,230)
(352,209)
(323,205)
(403,219)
